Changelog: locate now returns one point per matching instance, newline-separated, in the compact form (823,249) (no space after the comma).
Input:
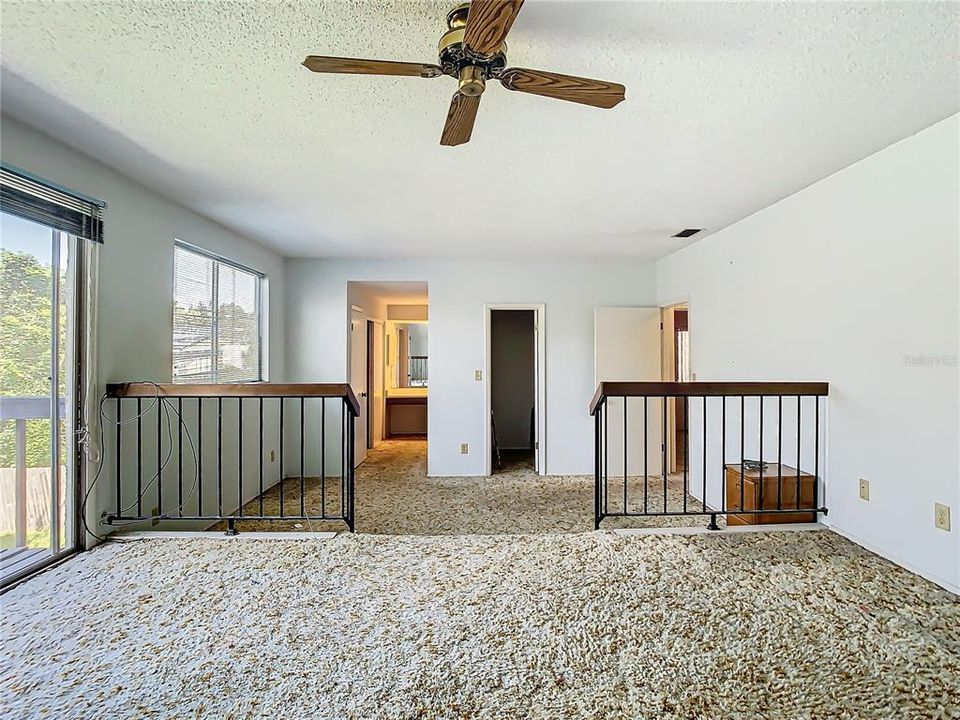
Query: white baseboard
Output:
(897,561)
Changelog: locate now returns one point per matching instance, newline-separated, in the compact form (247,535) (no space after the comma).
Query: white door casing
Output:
(358,381)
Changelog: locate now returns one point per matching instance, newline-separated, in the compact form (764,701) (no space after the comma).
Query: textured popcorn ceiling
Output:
(729,108)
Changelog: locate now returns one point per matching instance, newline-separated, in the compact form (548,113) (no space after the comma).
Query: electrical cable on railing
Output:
(158,399)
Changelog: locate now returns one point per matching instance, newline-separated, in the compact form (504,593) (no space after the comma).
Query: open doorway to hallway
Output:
(389,363)
(515,383)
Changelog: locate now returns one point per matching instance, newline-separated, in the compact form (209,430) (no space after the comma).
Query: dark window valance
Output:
(31,198)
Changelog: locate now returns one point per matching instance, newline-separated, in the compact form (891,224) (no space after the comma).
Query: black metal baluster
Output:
(686,452)
(303,507)
(704,449)
(743,408)
(596,469)
(159,457)
(280,468)
(240,455)
(723,447)
(625,480)
(646,474)
(139,462)
(200,457)
(799,426)
(261,455)
(816,453)
(180,456)
(323,457)
(343,459)
(760,451)
(119,462)
(663,448)
(605,410)
(219,457)
(351,467)
(779,452)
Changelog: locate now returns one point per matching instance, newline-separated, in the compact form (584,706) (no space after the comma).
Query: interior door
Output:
(358,381)
(627,349)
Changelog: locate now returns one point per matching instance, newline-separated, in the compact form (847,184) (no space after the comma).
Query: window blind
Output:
(26,196)
(216,320)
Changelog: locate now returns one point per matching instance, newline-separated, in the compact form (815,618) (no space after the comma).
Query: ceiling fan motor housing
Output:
(455,60)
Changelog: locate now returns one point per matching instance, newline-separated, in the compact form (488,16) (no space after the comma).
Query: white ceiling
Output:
(729,107)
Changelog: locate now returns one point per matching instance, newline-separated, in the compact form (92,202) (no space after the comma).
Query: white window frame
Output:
(259,303)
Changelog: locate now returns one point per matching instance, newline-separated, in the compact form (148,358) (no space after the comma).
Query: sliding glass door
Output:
(38,371)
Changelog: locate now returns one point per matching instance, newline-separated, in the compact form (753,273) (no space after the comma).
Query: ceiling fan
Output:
(473,51)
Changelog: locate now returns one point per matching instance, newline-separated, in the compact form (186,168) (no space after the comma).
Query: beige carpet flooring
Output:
(394,496)
(438,608)
(551,626)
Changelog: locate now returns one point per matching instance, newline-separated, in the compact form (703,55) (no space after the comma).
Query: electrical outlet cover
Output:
(864,489)
(941,516)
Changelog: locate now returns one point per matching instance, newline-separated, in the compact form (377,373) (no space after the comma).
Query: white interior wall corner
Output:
(853,281)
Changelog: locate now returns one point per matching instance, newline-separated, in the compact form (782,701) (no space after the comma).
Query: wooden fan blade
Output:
(357,66)
(488,23)
(460,119)
(563,87)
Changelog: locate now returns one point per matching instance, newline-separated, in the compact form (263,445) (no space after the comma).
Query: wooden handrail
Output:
(706,389)
(237,390)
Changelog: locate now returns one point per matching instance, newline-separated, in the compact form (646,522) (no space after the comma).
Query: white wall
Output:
(136,266)
(317,340)
(853,280)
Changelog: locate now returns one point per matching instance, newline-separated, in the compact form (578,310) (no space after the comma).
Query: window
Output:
(216,319)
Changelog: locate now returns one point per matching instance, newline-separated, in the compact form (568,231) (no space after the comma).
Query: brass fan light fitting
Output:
(471,70)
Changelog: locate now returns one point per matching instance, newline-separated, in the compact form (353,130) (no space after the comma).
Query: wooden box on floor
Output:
(751,495)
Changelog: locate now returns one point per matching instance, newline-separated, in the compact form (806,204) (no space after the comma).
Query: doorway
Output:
(515,389)
(388,366)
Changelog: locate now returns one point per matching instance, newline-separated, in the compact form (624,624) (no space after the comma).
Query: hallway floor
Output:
(394,496)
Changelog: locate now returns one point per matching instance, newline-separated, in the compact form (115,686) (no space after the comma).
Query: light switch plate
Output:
(464,449)
(864,489)
(941,516)
(478,375)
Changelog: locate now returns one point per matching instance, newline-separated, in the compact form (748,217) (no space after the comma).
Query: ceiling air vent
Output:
(688,232)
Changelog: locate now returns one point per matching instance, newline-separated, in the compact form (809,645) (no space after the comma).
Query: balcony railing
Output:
(213,453)
(26,502)
(749,451)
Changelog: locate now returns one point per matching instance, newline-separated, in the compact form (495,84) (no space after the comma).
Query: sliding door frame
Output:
(75,471)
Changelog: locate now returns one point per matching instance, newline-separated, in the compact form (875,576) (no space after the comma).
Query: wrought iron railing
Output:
(233,452)
(729,459)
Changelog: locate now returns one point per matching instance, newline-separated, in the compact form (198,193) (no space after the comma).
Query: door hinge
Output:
(536,446)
